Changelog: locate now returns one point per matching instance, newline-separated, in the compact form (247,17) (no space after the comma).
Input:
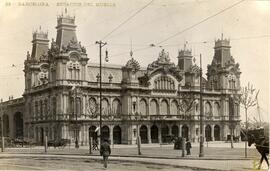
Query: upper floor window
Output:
(164,83)
(74,70)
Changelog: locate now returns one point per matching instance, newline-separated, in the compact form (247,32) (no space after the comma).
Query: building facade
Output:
(62,95)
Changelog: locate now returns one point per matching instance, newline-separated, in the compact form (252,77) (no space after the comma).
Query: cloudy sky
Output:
(167,23)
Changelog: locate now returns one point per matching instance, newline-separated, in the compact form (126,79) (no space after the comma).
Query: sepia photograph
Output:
(134,85)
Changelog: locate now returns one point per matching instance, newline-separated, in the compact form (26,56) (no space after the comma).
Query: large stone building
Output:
(62,94)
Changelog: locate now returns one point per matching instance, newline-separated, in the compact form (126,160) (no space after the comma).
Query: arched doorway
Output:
(164,133)
(41,136)
(175,131)
(6,125)
(92,133)
(18,119)
(185,131)
(208,133)
(117,135)
(105,133)
(143,134)
(217,133)
(154,134)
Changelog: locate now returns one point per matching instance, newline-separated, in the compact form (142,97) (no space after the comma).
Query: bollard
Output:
(183,147)
(90,145)
(46,144)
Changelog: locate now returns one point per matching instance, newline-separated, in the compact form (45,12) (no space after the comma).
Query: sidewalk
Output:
(214,165)
(217,156)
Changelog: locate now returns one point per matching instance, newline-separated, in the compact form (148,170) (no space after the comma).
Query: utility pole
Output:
(101,44)
(201,154)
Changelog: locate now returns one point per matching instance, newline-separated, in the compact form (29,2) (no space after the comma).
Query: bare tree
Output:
(248,99)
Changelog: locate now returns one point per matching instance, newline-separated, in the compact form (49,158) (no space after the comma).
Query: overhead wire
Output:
(125,21)
(200,22)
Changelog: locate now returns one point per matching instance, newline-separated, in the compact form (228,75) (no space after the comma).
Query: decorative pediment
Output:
(161,66)
(73,45)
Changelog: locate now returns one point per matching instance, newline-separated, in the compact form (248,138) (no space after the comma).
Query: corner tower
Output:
(66,30)
(223,73)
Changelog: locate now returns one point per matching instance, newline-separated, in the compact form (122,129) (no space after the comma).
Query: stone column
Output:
(111,133)
(149,134)
(212,132)
(180,130)
(159,134)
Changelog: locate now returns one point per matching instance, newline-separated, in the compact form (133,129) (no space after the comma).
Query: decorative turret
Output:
(40,44)
(222,51)
(66,30)
(130,71)
(184,59)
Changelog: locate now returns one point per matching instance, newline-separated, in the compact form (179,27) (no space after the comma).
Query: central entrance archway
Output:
(164,133)
(18,119)
(117,135)
(92,133)
(143,134)
(175,131)
(154,134)
(217,133)
(208,133)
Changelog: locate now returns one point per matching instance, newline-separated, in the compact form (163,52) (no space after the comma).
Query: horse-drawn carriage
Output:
(61,143)
(260,138)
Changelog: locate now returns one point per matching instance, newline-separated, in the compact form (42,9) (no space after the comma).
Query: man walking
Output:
(105,151)
(188,147)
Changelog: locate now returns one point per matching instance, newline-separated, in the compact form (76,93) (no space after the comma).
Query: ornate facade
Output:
(62,94)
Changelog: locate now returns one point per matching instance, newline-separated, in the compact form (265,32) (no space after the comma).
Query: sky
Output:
(166,23)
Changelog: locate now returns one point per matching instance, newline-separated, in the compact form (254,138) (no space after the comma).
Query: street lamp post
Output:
(201,154)
(137,118)
(76,116)
(101,44)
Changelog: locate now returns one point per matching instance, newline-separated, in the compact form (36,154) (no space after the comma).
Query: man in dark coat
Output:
(105,151)
(188,146)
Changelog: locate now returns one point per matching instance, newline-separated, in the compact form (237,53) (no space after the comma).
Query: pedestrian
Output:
(188,146)
(105,151)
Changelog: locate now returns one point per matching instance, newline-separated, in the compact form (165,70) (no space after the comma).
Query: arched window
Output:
(153,107)
(216,109)
(116,107)
(46,108)
(54,106)
(164,108)
(208,109)
(92,106)
(143,107)
(78,106)
(164,83)
(105,107)
(36,112)
(174,108)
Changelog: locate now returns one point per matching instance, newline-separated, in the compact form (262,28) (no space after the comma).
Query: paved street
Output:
(218,156)
(59,163)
